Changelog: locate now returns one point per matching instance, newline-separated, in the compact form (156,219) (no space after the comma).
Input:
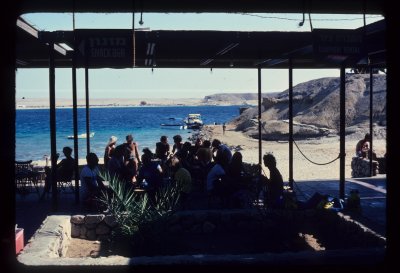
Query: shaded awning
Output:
(124,48)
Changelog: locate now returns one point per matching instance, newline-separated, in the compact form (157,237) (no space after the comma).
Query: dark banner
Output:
(105,47)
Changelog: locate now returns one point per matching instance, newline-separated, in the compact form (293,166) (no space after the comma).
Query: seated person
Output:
(151,172)
(215,174)
(274,183)
(222,149)
(162,149)
(183,179)
(90,181)
(236,173)
(65,170)
(235,168)
(362,147)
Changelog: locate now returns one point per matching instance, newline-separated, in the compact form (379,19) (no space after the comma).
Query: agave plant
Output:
(133,212)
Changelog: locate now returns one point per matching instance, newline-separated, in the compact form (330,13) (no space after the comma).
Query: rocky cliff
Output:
(316,109)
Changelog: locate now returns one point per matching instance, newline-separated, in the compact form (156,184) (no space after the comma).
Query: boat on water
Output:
(84,135)
(193,121)
(174,126)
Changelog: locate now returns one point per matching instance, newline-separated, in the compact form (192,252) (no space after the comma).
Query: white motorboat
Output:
(193,121)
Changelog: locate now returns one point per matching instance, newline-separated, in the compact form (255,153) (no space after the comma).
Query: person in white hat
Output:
(109,149)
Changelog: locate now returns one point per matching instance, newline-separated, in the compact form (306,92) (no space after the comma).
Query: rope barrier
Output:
(320,164)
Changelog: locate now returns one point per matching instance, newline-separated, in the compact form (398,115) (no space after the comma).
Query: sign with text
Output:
(338,42)
(104,48)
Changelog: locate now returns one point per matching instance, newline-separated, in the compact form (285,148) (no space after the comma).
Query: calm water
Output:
(33,127)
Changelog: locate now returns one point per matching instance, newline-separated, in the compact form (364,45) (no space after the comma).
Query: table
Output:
(26,178)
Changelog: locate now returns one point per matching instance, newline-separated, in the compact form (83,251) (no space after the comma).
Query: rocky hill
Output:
(236,98)
(316,109)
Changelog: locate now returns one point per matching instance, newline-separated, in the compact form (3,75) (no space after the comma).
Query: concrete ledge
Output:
(50,240)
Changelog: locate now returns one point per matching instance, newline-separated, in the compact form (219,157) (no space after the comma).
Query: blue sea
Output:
(33,127)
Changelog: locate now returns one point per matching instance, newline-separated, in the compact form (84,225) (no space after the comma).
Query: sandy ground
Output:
(318,150)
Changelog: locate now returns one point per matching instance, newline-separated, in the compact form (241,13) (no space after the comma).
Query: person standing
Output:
(178,145)
(109,150)
(223,128)
(131,158)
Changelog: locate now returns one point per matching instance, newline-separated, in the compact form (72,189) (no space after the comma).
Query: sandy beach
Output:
(318,150)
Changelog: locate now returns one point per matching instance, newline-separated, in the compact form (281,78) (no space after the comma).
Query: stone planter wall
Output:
(98,227)
(92,227)
(50,243)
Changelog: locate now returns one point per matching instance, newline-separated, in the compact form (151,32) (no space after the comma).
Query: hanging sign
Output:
(338,42)
(104,48)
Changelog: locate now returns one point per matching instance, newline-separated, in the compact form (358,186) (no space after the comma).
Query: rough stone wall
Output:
(99,226)
(360,167)
(92,227)
(381,164)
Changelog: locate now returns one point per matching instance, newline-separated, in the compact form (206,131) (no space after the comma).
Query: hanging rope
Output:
(320,164)
(309,17)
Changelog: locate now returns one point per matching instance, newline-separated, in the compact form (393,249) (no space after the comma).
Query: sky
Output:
(176,83)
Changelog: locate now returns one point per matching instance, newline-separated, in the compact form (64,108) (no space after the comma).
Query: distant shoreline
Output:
(122,106)
(43,103)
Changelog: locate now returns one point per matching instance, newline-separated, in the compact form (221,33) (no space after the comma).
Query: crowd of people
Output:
(205,166)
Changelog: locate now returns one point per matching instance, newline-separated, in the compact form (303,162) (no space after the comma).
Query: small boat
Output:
(163,124)
(174,126)
(84,135)
(193,121)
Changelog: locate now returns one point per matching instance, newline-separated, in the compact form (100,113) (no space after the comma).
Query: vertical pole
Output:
(290,124)
(342,129)
(87,99)
(371,130)
(259,121)
(75,122)
(8,115)
(53,145)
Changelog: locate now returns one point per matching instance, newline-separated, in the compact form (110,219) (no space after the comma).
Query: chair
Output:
(66,182)
(26,177)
